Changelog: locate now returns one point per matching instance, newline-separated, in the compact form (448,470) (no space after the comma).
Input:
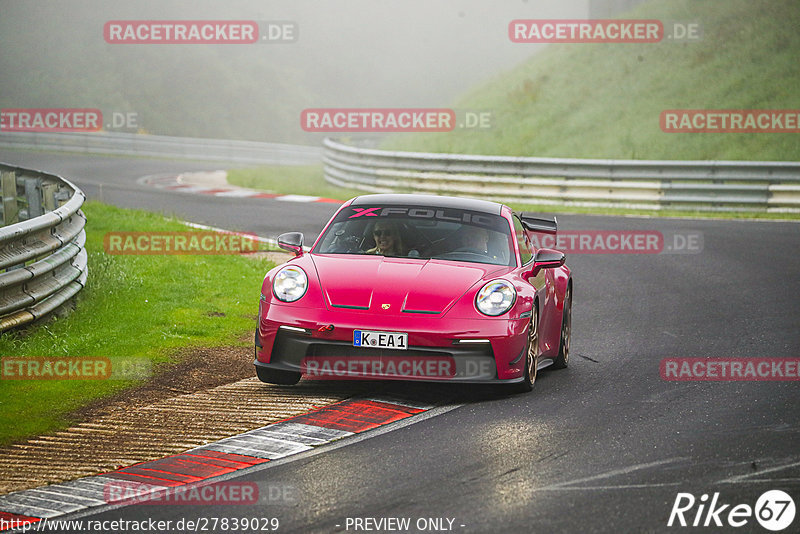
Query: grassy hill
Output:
(604,100)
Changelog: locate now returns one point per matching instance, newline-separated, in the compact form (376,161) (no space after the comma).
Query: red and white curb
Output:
(277,440)
(173,182)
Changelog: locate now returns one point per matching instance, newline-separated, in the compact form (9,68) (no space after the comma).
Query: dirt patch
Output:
(192,369)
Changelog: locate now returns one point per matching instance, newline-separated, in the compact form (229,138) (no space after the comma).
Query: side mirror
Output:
(547,258)
(291,241)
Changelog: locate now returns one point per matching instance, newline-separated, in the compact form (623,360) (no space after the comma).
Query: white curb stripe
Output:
(235,193)
(297,198)
(402,402)
(25,504)
(271,442)
(259,447)
(47,494)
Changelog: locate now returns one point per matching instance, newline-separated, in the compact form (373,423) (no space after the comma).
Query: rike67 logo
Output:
(774,510)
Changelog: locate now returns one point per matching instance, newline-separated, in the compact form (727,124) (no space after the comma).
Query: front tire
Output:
(276,376)
(531,355)
(562,360)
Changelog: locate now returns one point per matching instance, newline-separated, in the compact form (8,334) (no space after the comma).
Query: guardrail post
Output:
(10,207)
(33,194)
(49,196)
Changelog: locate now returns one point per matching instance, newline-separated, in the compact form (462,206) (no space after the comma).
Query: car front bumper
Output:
(319,344)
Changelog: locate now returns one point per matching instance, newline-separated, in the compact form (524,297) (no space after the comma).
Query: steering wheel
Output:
(348,245)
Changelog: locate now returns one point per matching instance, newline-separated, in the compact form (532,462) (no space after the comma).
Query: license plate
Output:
(380,340)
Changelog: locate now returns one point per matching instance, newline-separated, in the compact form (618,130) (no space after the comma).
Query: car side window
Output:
(525,251)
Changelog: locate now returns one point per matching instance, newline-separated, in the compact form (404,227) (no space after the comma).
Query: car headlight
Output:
(495,298)
(290,284)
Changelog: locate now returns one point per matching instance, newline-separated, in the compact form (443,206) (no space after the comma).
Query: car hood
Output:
(405,285)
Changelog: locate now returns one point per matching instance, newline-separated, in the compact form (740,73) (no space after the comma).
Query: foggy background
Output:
(362,53)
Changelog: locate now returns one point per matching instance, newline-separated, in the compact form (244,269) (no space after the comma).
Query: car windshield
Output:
(425,232)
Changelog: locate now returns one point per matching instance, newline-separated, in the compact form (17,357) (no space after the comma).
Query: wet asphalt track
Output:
(603,446)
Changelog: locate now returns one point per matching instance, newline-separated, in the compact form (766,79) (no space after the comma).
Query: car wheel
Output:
(531,355)
(276,376)
(562,360)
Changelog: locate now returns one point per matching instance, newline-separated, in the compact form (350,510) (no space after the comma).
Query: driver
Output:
(474,239)
(388,241)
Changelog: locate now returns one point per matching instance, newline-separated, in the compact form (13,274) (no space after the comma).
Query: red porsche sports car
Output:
(417,287)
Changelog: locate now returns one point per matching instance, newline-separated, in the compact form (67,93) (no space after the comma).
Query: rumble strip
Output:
(278,440)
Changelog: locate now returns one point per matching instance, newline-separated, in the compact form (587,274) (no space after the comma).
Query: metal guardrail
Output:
(124,144)
(43,263)
(695,185)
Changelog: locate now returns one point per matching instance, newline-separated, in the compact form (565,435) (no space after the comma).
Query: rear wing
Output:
(535,223)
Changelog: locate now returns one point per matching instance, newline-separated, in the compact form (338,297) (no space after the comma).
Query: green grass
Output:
(604,100)
(295,180)
(133,306)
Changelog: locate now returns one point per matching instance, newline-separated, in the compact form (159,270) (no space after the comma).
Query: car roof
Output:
(405,199)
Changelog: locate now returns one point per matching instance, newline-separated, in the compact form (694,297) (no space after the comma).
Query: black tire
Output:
(276,376)
(562,360)
(531,355)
